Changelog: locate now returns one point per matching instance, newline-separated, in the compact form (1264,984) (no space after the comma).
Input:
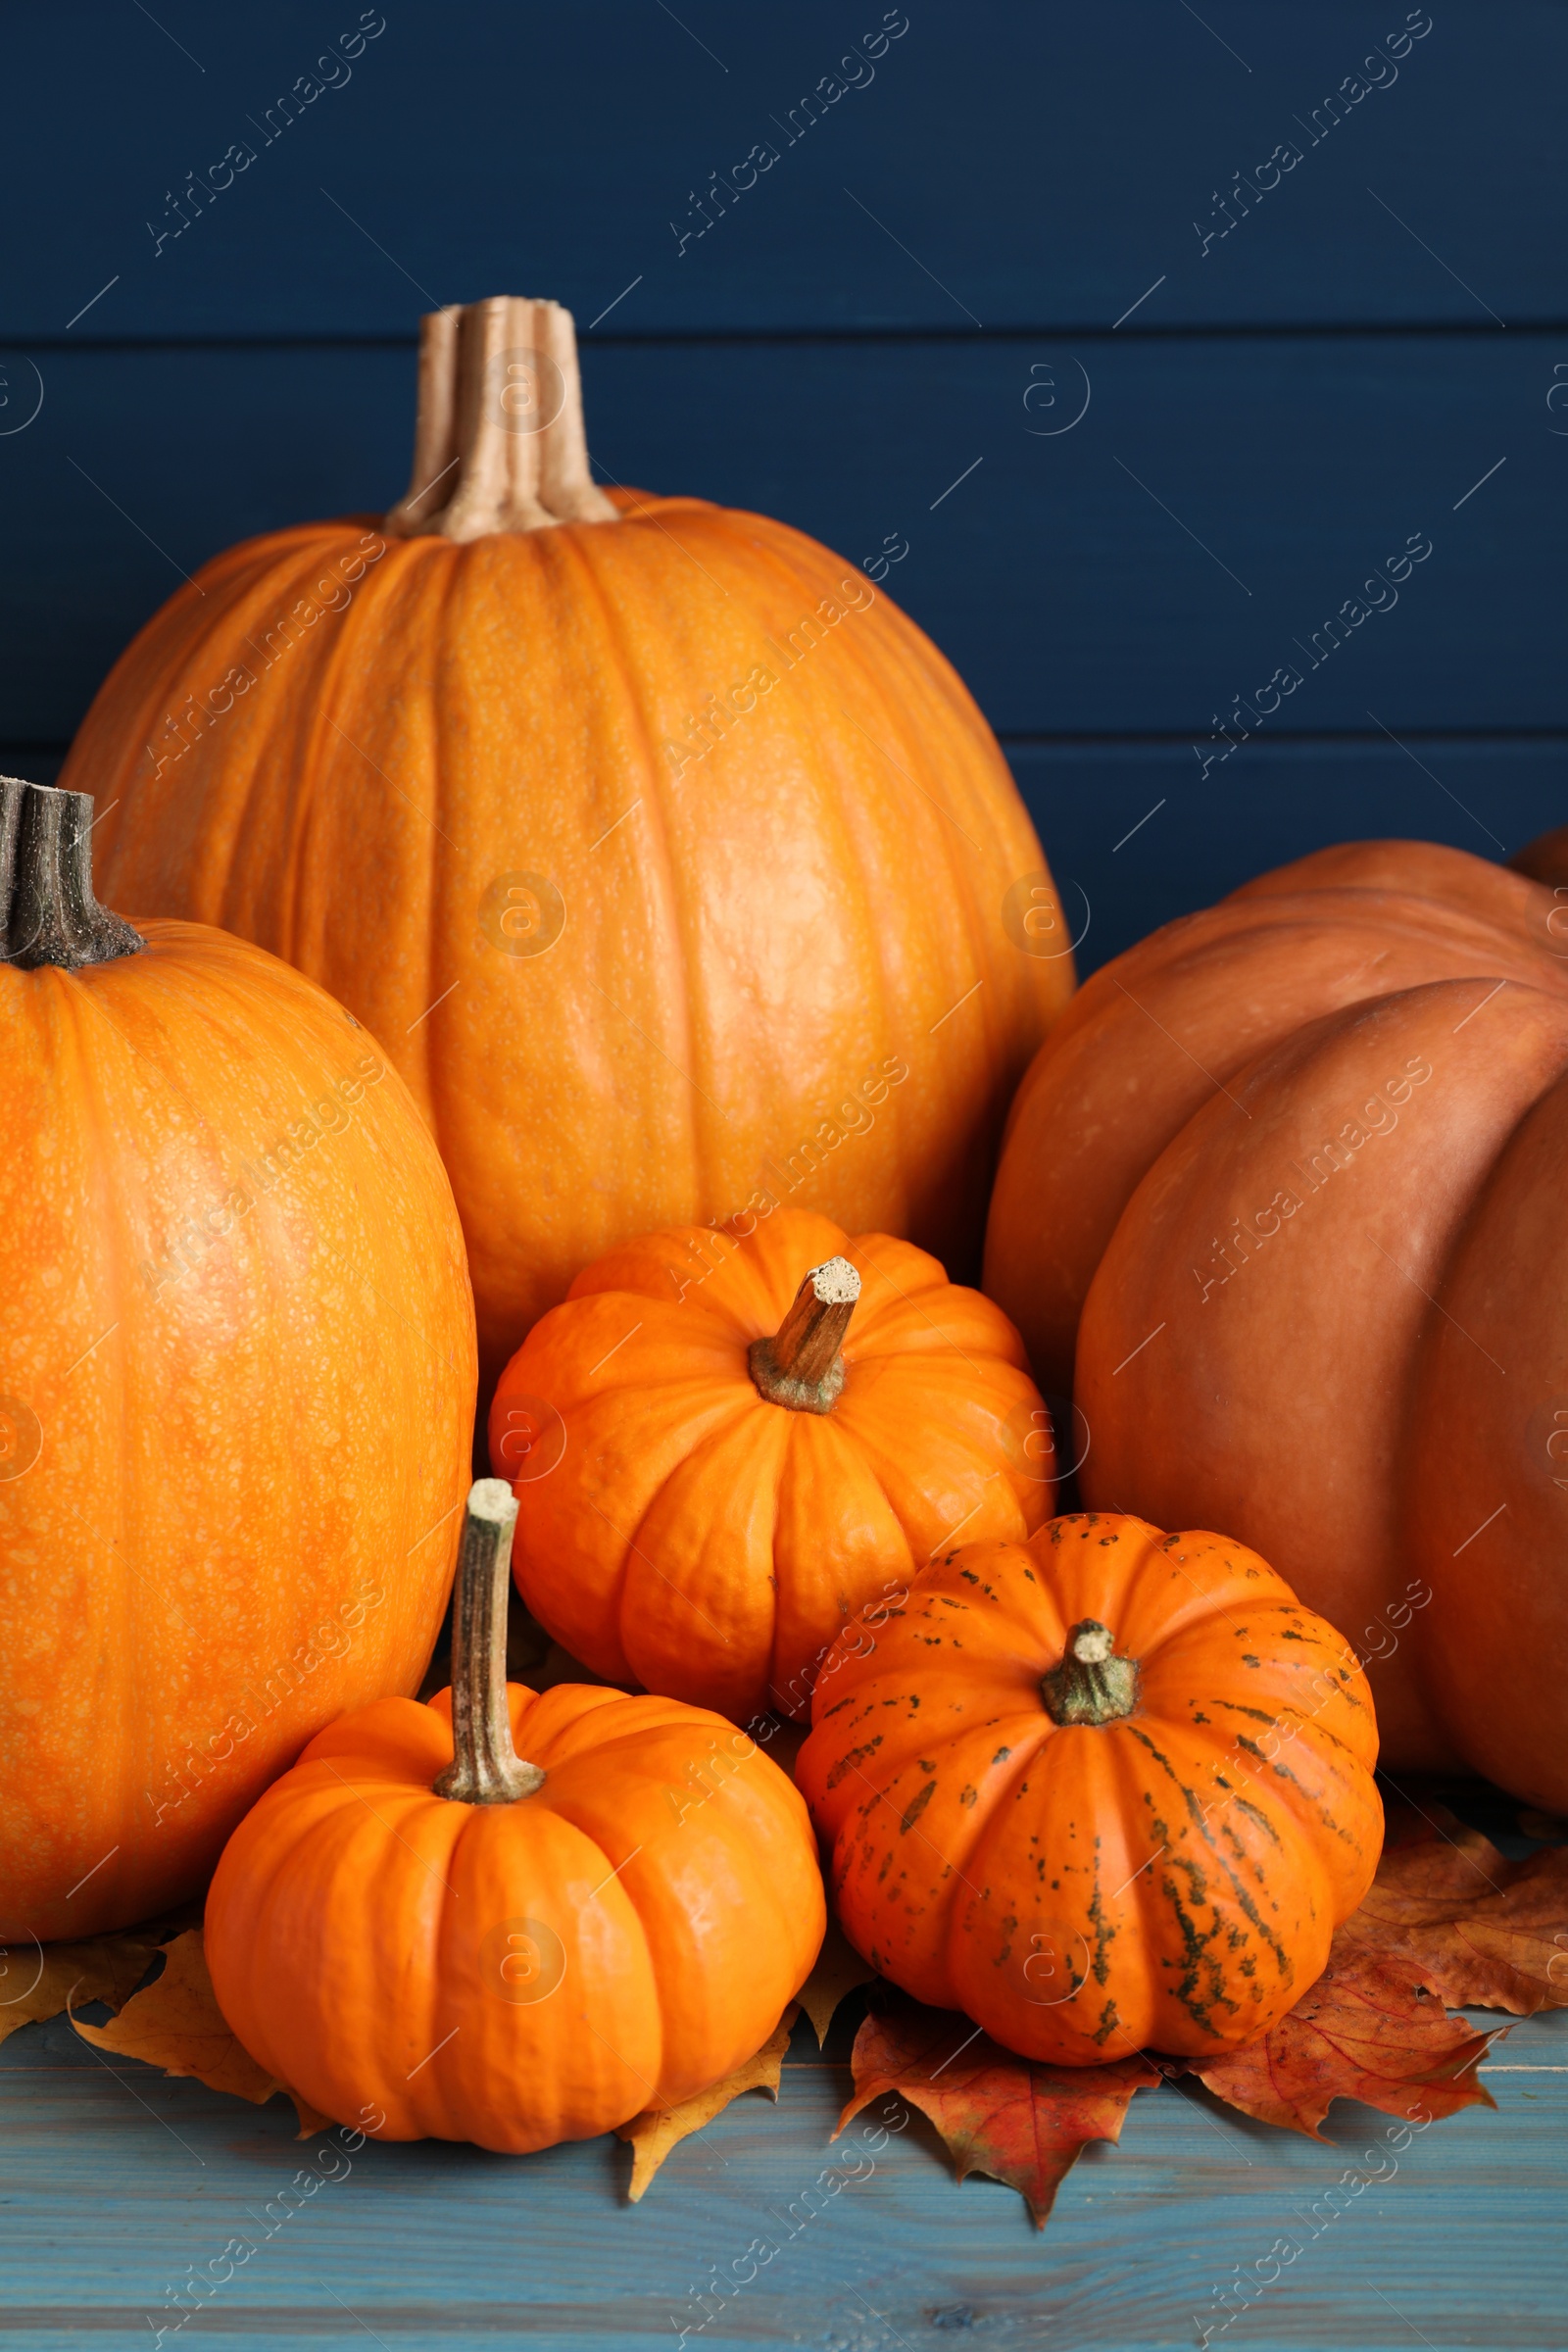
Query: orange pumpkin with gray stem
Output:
(232,1271)
(648,836)
(714,1473)
(419,1923)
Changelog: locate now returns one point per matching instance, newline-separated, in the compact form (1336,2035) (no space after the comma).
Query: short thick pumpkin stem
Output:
(1092,1685)
(48,914)
(800,1366)
(499,445)
(485,1767)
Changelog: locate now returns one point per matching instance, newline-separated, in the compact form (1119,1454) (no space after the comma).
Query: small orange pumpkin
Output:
(1105,1791)
(417,1921)
(716,1467)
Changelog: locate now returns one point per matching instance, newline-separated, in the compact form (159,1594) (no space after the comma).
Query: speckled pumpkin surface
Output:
(239,1379)
(1105,1791)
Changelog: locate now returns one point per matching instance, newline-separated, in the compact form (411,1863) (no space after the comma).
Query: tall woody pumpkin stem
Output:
(499,443)
(485,1767)
(801,1365)
(48,914)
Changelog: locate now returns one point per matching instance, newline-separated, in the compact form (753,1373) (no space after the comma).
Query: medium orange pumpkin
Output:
(670,862)
(417,1926)
(718,1462)
(1105,1791)
(1299,1159)
(232,1270)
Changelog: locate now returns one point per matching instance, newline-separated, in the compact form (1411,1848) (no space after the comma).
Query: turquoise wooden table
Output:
(115,2181)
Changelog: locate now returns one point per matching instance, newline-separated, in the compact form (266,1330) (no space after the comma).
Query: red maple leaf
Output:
(1363,2032)
(1021,2123)
(1453,1915)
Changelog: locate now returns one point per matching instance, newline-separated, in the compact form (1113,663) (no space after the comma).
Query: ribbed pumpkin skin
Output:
(233,1273)
(1151,1035)
(699,1540)
(749,938)
(1328,1397)
(1169,1880)
(358,1926)
(1363,1385)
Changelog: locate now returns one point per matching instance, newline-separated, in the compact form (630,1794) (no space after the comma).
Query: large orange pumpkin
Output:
(668,860)
(430,1936)
(232,1275)
(725,1447)
(1105,1791)
(1298,1161)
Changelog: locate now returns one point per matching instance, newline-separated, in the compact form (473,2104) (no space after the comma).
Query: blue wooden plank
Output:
(1195,532)
(1136,838)
(116,2181)
(1017,165)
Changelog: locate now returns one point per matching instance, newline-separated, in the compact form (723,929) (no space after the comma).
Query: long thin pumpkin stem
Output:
(801,1365)
(485,1767)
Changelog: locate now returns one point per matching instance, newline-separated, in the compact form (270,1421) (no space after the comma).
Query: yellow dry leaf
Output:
(38,1981)
(312,2120)
(177,2024)
(660,2129)
(839,1969)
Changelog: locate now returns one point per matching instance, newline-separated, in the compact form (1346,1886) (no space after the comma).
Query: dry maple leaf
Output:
(37,1981)
(1021,2123)
(839,1969)
(1364,2033)
(657,2129)
(177,2024)
(1449,1913)
(1446,1920)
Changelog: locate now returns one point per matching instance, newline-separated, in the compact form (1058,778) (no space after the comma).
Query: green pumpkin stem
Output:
(48,914)
(800,1366)
(1092,1685)
(485,1767)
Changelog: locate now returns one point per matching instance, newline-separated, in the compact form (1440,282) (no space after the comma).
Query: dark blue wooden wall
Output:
(1303,262)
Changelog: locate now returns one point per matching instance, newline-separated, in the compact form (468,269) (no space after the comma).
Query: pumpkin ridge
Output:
(802,1566)
(574,554)
(439,948)
(692,1464)
(1283,1772)
(338,1844)
(725,1325)
(671,1325)
(658,790)
(336,655)
(1243,1899)
(281,581)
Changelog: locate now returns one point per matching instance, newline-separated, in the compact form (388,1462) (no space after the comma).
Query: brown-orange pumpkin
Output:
(724,1448)
(429,1937)
(1105,1791)
(667,858)
(1298,1161)
(233,1281)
